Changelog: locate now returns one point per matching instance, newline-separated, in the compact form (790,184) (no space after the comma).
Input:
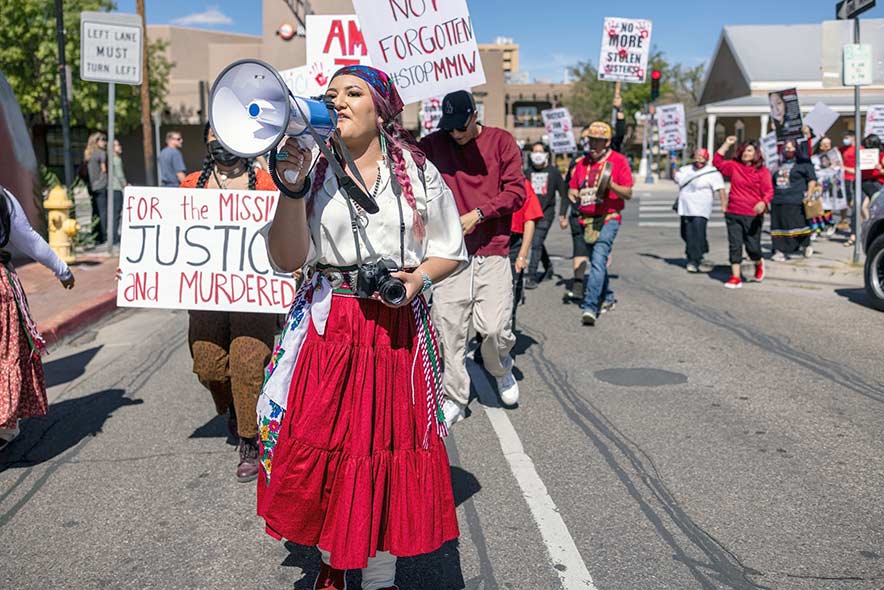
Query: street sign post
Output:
(110,51)
(847,9)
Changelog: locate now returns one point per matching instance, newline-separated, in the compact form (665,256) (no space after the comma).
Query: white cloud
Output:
(211,16)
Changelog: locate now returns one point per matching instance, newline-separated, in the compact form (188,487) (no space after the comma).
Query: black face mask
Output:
(220,154)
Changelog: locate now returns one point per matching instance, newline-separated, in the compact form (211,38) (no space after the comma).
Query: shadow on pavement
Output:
(439,570)
(719,272)
(65,425)
(215,428)
(65,370)
(857,296)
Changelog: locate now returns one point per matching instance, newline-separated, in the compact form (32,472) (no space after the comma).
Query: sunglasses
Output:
(458,129)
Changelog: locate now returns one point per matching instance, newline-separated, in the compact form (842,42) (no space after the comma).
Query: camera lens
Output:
(392,291)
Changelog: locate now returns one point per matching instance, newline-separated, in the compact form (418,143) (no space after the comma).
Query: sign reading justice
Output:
(187,248)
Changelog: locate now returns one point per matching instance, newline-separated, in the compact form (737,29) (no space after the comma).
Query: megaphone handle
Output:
(280,185)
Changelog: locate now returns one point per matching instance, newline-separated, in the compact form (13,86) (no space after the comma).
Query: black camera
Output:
(375,277)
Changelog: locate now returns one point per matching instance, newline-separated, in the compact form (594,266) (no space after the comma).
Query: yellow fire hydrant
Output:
(61,227)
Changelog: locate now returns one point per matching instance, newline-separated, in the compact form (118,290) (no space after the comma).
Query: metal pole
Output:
(156,124)
(65,110)
(857,188)
(111,222)
(146,143)
(649,130)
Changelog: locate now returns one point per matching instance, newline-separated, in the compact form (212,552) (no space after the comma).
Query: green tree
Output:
(591,98)
(29,60)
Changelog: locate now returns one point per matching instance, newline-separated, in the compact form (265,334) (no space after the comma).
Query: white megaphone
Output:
(251,110)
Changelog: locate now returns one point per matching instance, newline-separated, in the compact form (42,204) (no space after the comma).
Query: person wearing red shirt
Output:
(483,167)
(750,196)
(231,349)
(599,213)
(848,156)
(521,241)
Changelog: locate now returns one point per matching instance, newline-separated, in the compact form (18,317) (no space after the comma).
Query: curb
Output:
(79,319)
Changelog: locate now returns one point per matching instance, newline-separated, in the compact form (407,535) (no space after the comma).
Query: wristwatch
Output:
(480,214)
(428,283)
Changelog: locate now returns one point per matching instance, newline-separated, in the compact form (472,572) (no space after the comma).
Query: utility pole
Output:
(146,127)
(65,108)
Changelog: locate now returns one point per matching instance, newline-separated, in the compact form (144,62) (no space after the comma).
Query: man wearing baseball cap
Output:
(599,204)
(698,184)
(483,167)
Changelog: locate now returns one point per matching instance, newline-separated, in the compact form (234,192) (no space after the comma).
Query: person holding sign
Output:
(600,186)
(483,167)
(349,417)
(231,349)
(794,183)
(751,192)
(22,385)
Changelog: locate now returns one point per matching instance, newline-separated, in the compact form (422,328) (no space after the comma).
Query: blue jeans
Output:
(597,279)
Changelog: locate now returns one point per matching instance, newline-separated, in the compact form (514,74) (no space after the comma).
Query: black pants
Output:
(693,232)
(518,278)
(100,203)
(538,249)
(744,230)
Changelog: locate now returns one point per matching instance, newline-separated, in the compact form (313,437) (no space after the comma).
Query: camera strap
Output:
(397,190)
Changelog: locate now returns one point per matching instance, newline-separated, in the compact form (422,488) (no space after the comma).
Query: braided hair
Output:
(209,165)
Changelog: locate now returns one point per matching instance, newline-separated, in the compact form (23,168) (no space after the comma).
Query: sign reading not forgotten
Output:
(428,47)
(185,248)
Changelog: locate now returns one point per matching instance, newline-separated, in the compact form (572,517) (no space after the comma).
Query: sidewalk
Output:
(830,264)
(60,313)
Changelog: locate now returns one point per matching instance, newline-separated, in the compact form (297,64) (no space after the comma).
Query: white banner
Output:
(672,130)
(625,46)
(875,120)
(560,130)
(820,120)
(428,47)
(297,79)
(333,41)
(187,248)
(769,151)
(431,113)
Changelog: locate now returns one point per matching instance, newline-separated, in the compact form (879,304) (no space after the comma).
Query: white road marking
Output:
(566,559)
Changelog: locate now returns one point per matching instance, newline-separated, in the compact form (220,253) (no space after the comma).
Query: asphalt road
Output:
(695,438)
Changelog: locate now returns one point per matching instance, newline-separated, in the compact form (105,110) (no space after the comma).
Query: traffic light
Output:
(655,84)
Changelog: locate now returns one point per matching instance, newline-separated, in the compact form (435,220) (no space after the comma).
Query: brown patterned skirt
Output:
(22,385)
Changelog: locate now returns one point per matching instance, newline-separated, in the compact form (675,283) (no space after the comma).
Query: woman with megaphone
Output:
(349,418)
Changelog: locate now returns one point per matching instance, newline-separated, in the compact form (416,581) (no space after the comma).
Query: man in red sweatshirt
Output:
(483,167)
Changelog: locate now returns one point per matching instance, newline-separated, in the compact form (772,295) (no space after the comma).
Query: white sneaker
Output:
(507,385)
(691,267)
(7,435)
(830,231)
(808,252)
(453,412)
(778,257)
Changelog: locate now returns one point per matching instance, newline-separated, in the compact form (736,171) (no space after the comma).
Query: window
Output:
(527,114)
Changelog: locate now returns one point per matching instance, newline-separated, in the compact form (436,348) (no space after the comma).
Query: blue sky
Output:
(553,34)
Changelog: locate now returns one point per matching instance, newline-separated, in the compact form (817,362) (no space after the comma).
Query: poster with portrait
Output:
(829,169)
(785,112)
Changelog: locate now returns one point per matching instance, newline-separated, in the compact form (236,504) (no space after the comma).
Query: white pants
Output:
(380,572)
(481,293)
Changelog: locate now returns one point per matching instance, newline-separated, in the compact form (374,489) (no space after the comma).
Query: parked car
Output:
(873,244)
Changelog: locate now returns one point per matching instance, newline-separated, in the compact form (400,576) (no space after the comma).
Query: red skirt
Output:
(350,471)
(22,385)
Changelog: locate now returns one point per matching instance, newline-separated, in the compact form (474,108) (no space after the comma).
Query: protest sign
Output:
(625,46)
(297,79)
(671,122)
(875,120)
(869,158)
(428,48)
(560,130)
(185,248)
(785,111)
(769,151)
(820,120)
(333,41)
(431,113)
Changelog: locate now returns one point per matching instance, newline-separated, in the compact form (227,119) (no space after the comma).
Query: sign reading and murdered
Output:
(671,122)
(333,41)
(199,249)
(625,47)
(427,46)
(560,130)
(110,47)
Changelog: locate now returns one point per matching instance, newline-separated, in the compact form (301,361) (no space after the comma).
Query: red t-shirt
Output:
(530,211)
(848,155)
(749,185)
(263,181)
(585,174)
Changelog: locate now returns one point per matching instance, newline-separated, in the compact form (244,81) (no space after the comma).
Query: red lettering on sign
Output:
(349,41)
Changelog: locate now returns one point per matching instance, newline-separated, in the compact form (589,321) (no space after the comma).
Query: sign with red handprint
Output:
(625,46)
